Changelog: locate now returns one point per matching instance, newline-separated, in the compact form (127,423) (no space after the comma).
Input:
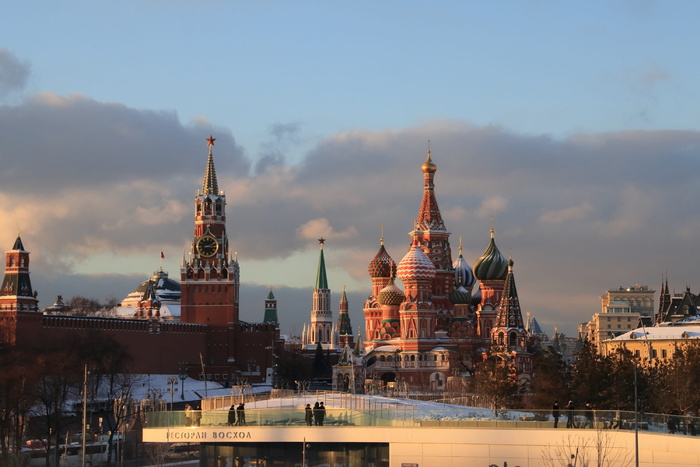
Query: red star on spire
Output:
(321,240)
(210,140)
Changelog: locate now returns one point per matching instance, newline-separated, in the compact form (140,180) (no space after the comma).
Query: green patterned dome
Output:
(460,296)
(492,265)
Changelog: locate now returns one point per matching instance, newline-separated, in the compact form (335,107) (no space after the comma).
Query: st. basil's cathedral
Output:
(447,318)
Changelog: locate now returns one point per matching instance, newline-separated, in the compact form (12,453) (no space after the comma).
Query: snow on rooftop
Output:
(167,310)
(662,332)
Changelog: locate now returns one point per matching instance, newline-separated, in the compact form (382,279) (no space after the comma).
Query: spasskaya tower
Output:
(210,276)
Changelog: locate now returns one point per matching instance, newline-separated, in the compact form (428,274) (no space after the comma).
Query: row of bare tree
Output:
(41,392)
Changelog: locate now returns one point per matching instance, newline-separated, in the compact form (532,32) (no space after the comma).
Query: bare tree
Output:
(158,453)
(110,383)
(17,396)
(586,451)
(57,384)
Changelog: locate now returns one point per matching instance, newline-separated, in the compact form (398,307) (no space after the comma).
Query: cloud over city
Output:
(83,178)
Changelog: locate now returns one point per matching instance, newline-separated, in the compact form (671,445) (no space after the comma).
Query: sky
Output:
(572,128)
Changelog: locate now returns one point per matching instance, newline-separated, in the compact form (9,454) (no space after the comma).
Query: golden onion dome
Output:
(428,166)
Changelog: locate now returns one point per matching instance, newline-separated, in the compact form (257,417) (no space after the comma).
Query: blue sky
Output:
(574,124)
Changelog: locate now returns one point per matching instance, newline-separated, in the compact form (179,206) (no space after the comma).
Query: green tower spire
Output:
(321,279)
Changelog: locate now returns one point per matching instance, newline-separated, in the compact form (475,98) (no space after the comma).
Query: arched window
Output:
(513,339)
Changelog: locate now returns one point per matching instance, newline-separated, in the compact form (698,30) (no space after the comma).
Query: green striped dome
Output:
(492,265)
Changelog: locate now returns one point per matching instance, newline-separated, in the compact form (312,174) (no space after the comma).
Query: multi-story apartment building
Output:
(622,309)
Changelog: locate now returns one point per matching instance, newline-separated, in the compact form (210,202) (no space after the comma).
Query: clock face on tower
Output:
(207,246)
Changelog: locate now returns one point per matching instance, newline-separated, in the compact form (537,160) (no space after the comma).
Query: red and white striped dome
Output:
(415,266)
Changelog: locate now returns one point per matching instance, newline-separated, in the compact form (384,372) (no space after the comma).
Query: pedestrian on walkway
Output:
(188,415)
(232,415)
(322,413)
(308,415)
(197,416)
(570,415)
(241,414)
(555,413)
(317,413)
(588,413)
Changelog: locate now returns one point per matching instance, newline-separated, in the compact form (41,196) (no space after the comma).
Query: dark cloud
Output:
(14,73)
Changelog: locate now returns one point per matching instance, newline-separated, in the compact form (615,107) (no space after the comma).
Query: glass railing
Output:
(396,416)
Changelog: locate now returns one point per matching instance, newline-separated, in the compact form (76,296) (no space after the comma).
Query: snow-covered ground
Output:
(195,390)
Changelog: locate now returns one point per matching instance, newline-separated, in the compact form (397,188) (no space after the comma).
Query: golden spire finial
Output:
(460,245)
(428,166)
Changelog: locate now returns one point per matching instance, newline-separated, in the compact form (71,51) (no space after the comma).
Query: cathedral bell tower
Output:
(209,279)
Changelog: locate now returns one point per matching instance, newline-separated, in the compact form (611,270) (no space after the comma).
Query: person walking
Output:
(197,416)
(555,413)
(241,414)
(188,415)
(232,415)
(322,412)
(317,413)
(308,415)
(588,413)
(570,415)
(617,420)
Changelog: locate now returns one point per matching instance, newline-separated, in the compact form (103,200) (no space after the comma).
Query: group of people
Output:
(315,415)
(193,417)
(570,410)
(236,411)
(674,424)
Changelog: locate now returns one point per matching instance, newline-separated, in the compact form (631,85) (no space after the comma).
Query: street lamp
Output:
(172,382)
(636,419)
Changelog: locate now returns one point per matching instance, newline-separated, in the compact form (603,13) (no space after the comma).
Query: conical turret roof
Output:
(321,279)
(509,314)
(210,186)
(18,246)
